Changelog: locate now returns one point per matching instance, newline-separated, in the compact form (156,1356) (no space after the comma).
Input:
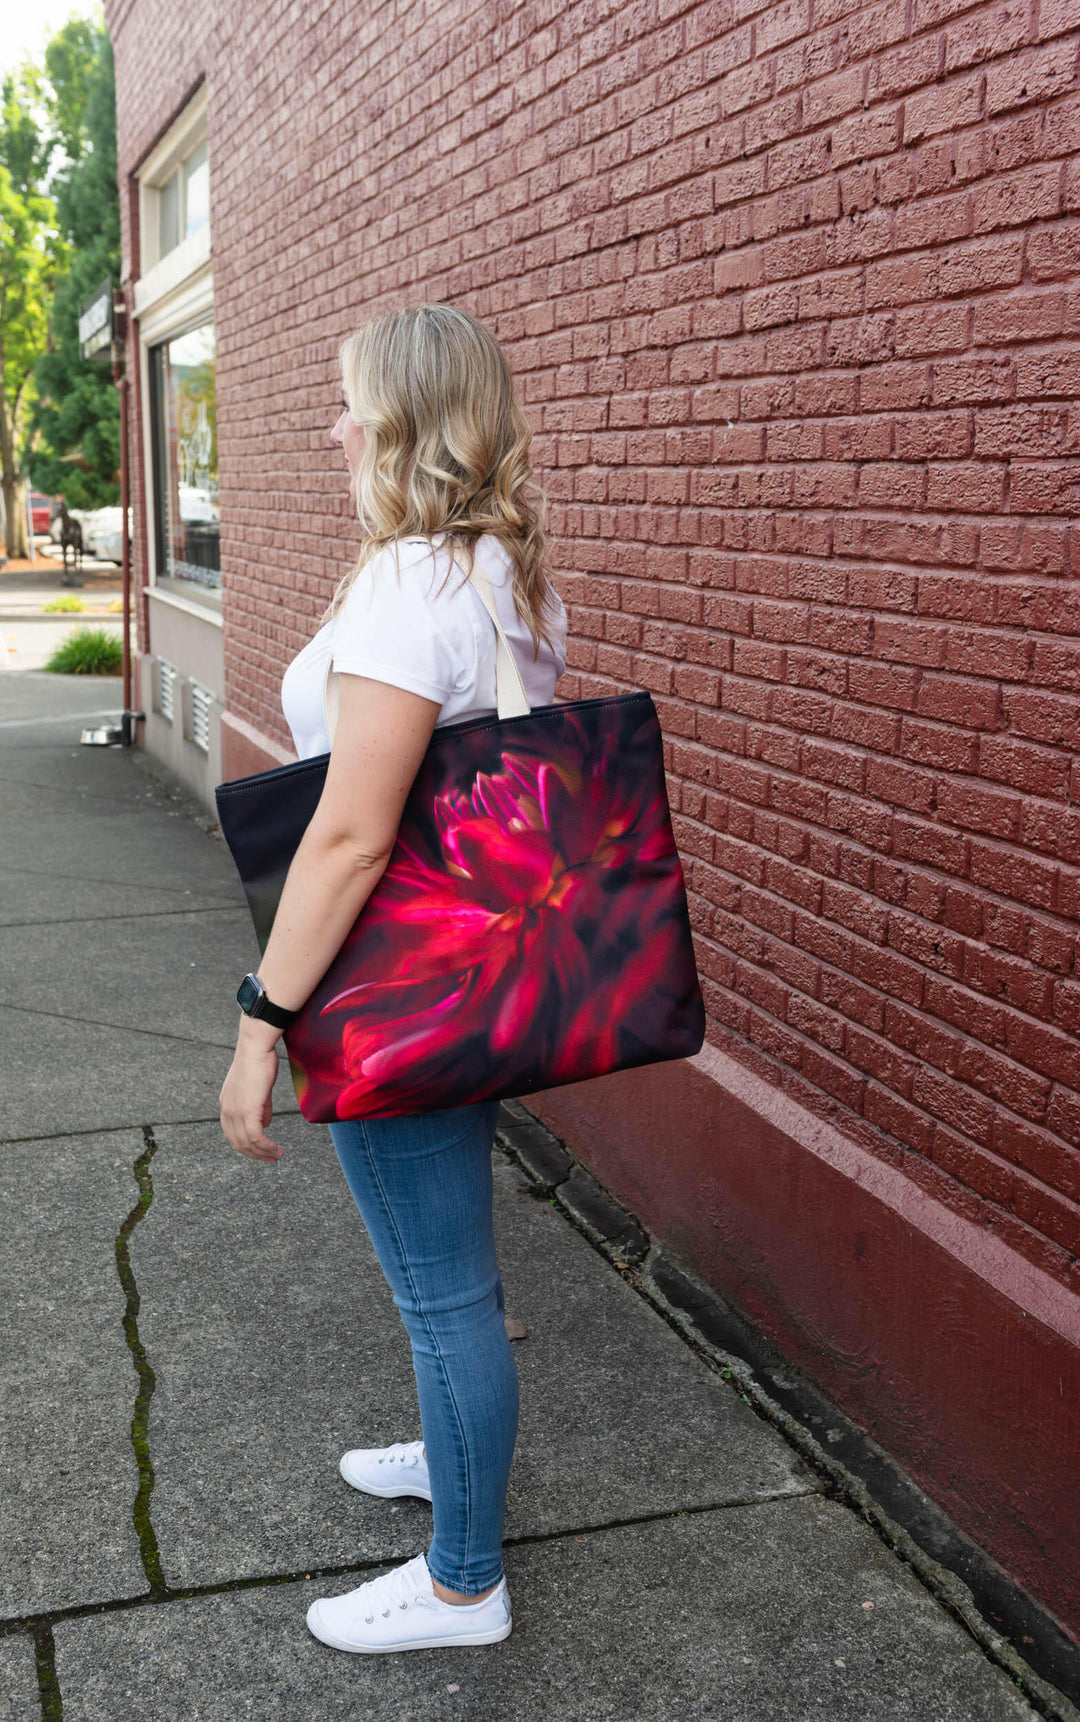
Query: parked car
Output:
(41,507)
(101,533)
(197,503)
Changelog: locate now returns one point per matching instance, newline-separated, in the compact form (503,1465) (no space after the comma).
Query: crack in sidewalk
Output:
(52,1705)
(140,1417)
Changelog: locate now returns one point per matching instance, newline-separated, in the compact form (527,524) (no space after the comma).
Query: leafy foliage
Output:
(88,652)
(74,429)
(32,255)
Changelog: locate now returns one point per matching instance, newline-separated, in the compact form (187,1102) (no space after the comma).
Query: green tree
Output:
(32,254)
(74,427)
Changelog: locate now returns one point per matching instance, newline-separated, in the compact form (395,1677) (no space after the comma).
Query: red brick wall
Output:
(793,292)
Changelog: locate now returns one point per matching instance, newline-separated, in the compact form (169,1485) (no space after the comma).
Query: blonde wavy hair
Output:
(446,449)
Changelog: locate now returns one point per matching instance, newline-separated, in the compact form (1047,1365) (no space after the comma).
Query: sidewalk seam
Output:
(135,915)
(121,1027)
(126,1124)
(46,1619)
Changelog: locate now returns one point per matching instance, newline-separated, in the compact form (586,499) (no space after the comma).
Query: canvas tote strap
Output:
(511,698)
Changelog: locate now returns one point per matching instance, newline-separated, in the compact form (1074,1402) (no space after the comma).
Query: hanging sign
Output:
(96,323)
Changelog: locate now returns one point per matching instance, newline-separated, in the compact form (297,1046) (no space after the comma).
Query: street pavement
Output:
(191,1339)
(29,634)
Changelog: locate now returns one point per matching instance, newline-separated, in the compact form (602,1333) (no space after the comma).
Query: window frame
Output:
(187,132)
(172,294)
(206,590)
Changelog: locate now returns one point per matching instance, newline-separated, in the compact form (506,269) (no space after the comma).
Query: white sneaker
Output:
(400,1469)
(400,1611)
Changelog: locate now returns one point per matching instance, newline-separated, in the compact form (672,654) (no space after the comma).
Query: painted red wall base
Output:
(245,750)
(958,1356)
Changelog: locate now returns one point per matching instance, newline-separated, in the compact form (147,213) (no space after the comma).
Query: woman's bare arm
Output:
(381,736)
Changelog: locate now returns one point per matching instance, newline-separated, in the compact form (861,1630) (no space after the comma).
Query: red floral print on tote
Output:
(530,928)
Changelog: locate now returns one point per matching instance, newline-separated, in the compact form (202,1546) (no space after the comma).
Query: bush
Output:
(88,652)
(64,604)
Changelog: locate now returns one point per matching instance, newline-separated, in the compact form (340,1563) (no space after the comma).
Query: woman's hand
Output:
(245,1094)
(381,737)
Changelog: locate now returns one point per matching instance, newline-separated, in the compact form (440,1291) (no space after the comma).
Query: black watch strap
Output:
(252,999)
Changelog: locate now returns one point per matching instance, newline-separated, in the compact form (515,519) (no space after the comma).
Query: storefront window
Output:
(185,458)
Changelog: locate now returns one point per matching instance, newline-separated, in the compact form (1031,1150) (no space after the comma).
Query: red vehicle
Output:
(41,511)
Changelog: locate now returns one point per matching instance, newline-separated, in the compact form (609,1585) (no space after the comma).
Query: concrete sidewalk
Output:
(192,1339)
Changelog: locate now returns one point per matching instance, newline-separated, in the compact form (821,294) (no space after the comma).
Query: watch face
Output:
(248,993)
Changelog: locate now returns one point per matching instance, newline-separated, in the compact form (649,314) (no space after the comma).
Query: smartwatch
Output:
(252,999)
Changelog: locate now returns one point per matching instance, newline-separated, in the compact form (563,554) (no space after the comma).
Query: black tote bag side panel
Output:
(263,819)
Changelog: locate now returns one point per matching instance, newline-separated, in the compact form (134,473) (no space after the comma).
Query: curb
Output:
(59,615)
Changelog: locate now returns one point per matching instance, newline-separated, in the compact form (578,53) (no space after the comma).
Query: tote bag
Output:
(530,928)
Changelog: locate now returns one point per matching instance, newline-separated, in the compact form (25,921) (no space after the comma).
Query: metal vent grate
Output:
(167,676)
(201,701)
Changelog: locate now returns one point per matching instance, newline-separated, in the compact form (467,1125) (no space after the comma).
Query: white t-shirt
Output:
(437,643)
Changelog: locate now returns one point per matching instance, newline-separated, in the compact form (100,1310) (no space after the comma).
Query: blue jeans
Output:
(423,1186)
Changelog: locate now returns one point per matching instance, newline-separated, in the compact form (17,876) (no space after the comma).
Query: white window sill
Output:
(205,609)
(175,267)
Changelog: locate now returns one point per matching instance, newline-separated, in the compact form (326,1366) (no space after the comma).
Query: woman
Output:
(437,449)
